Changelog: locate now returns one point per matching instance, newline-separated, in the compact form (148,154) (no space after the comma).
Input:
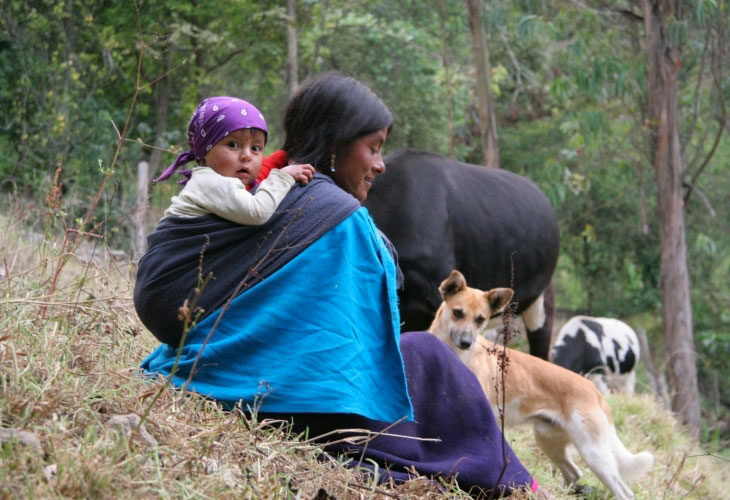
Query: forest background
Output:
(567,94)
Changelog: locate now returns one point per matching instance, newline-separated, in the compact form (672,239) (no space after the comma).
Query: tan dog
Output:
(564,408)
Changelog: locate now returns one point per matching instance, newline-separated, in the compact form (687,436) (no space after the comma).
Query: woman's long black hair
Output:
(328,112)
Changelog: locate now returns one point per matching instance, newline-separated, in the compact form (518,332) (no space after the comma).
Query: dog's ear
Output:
(453,284)
(498,298)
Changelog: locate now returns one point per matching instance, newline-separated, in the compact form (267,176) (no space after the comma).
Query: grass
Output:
(68,365)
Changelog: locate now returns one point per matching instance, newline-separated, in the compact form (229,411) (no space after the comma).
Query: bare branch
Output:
(518,68)
(163,75)
(609,10)
(704,199)
(318,45)
(720,130)
(223,60)
(696,104)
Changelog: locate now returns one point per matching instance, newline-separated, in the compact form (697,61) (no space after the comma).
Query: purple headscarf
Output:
(215,118)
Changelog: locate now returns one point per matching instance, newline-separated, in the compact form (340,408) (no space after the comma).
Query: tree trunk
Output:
(447,76)
(487,119)
(162,103)
(140,210)
(291,46)
(664,65)
(657,382)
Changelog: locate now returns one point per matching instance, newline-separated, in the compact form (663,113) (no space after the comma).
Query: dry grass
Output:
(64,376)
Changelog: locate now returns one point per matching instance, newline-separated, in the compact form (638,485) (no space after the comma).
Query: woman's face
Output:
(357,165)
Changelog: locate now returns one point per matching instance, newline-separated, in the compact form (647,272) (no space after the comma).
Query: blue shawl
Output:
(319,335)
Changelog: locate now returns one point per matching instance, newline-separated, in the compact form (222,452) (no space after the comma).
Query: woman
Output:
(312,332)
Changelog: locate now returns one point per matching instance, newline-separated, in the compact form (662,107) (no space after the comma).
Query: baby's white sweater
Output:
(208,192)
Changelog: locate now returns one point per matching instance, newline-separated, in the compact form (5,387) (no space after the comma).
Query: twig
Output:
(715,145)
(383,432)
(112,264)
(676,472)
(708,455)
(698,87)
(379,491)
(503,363)
(186,311)
(362,434)
(63,259)
(7,275)
(163,75)
(63,303)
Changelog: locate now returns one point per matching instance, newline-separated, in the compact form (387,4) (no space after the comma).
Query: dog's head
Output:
(465,312)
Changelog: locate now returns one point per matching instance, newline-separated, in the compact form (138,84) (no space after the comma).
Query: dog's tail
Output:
(631,466)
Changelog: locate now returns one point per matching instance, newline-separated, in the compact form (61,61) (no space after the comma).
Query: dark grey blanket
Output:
(168,272)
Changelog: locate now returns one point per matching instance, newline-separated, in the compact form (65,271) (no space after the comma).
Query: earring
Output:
(332,163)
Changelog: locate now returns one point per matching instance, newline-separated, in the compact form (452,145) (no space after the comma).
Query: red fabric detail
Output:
(534,486)
(277,159)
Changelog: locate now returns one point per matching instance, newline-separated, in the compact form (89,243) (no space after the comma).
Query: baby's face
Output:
(239,155)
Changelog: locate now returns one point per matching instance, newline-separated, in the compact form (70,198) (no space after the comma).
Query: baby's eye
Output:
(232,144)
(256,148)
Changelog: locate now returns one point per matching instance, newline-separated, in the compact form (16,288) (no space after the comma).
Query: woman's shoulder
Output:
(320,193)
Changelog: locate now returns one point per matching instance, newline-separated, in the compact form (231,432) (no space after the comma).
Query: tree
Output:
(664,65)
(291,46)
(487,119)
(447,77)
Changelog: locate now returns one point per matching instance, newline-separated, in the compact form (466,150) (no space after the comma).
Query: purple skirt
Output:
(449,405)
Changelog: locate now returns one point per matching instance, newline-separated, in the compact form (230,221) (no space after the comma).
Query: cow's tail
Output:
(631,466)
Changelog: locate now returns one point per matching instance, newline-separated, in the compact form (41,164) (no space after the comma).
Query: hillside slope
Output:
(69,381)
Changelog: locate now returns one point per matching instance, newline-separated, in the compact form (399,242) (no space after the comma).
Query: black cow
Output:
(494,226)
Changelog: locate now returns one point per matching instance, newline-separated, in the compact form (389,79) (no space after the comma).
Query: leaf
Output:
(526,26)
(676,31)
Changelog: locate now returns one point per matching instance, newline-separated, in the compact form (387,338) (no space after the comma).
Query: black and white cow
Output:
(494,226)
(606,350)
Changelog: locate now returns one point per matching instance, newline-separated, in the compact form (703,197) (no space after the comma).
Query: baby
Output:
(227,136)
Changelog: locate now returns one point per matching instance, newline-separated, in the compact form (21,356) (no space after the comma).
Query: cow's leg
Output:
(538,318)
(629,382)
(419,298)
(600,383)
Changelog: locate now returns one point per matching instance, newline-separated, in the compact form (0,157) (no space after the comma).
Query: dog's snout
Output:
(462,339)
